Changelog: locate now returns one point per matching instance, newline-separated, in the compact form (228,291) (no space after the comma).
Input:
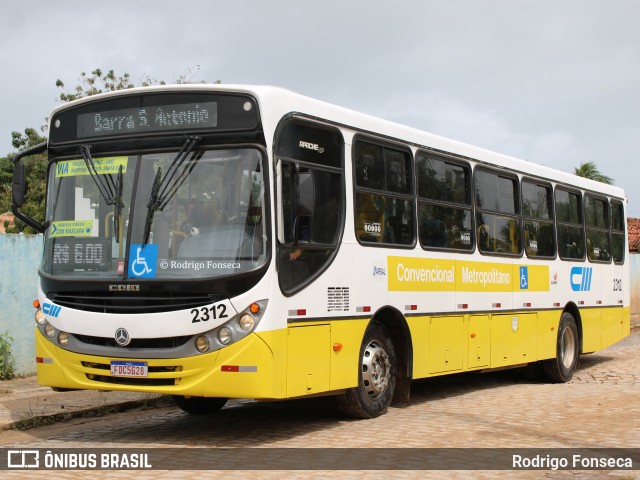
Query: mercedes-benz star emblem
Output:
(122,337)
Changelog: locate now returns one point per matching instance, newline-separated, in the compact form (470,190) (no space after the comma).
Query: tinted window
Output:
(444,209)
(497,202)
(311,191)
(537,209)
(617,232)
(569,225)
(596,212)
(384,203)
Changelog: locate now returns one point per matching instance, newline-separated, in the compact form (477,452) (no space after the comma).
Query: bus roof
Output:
(275,102)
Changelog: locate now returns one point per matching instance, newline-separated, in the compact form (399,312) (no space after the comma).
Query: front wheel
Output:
(376,376)
(199,405)
(562,368)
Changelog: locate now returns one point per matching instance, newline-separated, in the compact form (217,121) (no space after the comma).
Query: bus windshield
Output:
(188,213)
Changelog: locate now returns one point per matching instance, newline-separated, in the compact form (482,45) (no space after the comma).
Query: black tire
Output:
(199,405)
(376,376)
(562,368)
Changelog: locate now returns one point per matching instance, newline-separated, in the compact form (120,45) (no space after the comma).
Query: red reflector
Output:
(301,311)
(39,360)
(463,305)
(230,368)
(497,305)
(411,307)
(366,309)
(556,304)
(526,304)
(581,302)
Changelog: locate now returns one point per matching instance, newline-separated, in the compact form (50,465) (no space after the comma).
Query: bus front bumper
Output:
(242,370)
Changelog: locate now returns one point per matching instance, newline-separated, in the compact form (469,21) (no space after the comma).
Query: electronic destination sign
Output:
(153,114)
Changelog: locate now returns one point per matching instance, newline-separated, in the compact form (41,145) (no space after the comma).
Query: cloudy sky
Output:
(553,82)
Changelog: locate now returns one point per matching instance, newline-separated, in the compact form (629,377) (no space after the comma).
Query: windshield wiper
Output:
(165,187)
(110,191)
(118,205)
(105,183)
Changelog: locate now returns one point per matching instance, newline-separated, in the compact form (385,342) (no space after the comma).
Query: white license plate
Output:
(129,369)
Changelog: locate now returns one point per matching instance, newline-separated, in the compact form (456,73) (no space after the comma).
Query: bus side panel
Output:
(613,326)
(479,338)
(513,339)
(344,362)
(446,344)
(591,329)
(548,322)
(419,327)
(309,360)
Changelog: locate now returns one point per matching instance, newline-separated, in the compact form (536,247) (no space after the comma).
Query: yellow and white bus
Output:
(214,241)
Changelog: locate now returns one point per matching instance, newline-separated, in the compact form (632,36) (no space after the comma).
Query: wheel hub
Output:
(376,369)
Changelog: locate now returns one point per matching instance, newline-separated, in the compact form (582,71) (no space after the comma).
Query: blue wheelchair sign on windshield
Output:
(524,278)
(142,261)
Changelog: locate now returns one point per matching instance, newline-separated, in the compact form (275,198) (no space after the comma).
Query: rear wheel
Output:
(562,368)
(199,405)
(376,376)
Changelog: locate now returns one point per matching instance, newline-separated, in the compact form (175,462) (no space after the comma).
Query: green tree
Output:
(36,171)
(96,82)
(590,170)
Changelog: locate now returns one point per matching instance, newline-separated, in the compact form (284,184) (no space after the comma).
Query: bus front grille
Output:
(117,302)
(152,343)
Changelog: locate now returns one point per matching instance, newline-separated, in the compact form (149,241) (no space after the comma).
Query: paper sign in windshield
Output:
(104,166)
(71,228)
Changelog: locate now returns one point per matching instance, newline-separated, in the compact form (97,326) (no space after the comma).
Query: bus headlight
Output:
(247,322)
(49,330)
(202,344)
(224,335)
(40,317)
(63,338)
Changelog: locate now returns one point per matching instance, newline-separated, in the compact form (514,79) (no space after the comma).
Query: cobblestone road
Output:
(600,407)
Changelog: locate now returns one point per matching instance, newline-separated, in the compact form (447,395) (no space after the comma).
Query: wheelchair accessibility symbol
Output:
(142,261)
(524,278)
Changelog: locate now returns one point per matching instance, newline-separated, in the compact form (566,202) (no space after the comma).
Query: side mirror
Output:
(19,186)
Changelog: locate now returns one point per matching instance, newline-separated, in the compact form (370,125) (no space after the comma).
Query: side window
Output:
(539,230)
(384,201)
(497,213)
(444,204)
(617,231)
(596,215)
(311,195)
(569,225)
